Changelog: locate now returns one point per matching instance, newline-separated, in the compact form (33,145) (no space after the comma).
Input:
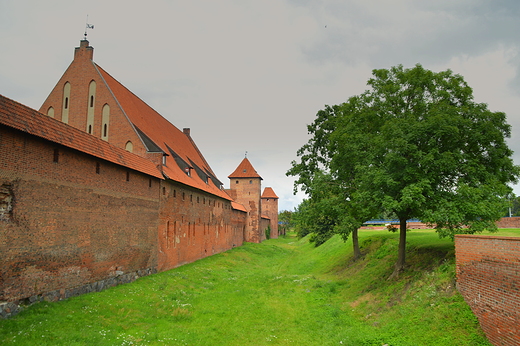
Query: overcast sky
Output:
(250,75)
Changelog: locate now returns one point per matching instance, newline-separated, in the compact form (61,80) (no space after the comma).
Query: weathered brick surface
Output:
(509,222)
(270,208)
(82,224)
(247,191)
(488,277)
(79,74)
(69,225)
(194,224)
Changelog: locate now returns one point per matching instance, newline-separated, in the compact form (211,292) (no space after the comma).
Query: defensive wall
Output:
(488,277)
(64,225)
(71,223)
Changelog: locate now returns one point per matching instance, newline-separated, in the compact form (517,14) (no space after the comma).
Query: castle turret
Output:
(270,209)
(245,185)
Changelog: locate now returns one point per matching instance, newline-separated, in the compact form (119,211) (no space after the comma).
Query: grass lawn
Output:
(281,292)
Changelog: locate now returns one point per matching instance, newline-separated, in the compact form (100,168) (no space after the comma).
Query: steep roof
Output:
(238,206)
(245,170)
(18,116)
(184,156)
(269,193)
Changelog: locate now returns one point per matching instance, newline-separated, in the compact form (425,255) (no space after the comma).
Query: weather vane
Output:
(88,26)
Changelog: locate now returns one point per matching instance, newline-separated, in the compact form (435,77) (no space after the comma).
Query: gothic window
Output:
(65,108)
(105,119)
(129,146)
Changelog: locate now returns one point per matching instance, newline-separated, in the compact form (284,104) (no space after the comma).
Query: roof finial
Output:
(87,26)
(246,154)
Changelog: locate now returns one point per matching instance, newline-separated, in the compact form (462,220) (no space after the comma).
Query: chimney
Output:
(186,131)
(84,51)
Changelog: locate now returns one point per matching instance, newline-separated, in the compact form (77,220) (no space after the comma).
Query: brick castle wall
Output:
(65,225)
(488,277)
(194,224)
(82,224)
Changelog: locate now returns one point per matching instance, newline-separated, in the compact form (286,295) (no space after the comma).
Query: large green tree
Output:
(417,145)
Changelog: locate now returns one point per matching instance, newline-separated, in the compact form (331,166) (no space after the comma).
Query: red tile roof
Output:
(23,118)
(168,138)
(238,206)
(245,170)
(269,193)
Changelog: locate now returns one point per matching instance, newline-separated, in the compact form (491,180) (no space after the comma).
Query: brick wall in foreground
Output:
(488,277)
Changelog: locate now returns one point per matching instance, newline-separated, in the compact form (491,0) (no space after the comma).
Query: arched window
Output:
(105,120)
(91,104)
(50,112)
(129,146)
(65,109)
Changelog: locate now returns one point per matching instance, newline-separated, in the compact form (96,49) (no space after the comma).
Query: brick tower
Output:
(270,208)
(245,187)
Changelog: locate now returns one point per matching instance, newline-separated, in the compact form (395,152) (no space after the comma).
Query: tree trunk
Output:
(355,243)
(399,265)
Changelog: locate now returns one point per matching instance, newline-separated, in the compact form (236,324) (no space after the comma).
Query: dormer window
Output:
(164,160)
(188,171)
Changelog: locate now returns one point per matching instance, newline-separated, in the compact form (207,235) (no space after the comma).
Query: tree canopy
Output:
(416,145)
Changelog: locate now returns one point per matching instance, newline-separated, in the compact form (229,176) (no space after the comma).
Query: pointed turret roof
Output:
(245,170)
(269,193)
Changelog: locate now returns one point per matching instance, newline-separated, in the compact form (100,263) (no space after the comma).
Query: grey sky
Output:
(250,75)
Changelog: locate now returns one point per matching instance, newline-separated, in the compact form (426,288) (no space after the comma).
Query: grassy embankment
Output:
(280,292)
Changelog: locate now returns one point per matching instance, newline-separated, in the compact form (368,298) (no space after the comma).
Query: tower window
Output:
(66,102)
(90,129)
(91,100)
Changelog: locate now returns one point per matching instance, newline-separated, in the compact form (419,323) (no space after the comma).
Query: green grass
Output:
(280,292)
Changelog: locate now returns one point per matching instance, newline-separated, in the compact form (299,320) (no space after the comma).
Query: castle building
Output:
(97,188)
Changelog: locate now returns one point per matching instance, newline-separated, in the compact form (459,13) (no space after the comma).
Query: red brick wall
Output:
(248,192)
(68,225)
(509,222)
(65,226)
(194,224)
(79,74)
(270,208)
(488,277)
